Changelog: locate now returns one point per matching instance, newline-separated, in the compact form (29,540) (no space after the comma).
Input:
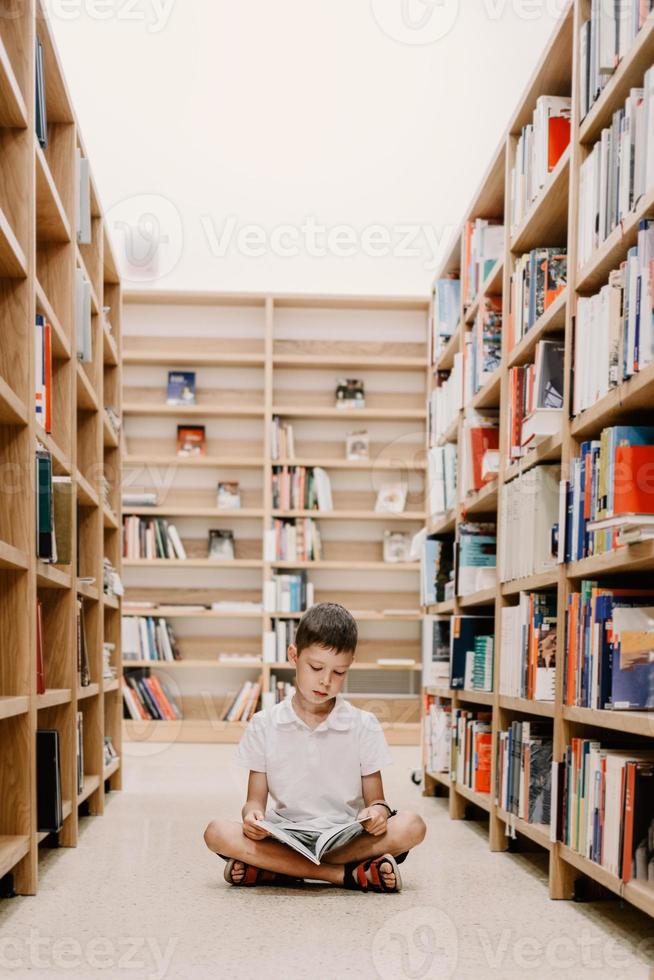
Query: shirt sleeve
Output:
(251,751)
(374,753)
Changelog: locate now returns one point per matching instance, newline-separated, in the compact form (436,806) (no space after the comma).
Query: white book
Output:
(176,542)
(83,175)
(269,647)
(323,488)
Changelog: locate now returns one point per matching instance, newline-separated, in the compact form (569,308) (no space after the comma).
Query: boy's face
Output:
(320,673)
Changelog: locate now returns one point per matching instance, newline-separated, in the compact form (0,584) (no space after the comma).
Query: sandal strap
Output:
(366,875)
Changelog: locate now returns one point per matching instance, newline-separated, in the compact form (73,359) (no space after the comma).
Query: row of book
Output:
(479,449)
(523,774)
(82,658)
(606,37)
(529,511)
(619,169)
(288,593)
(148,638)
(147,697)
(458,652)
(145,537)
(541,145)
(538,277)
(444,315)
(483,245)
(277,641)
(483,344)
(295,539)
(436,733)
(609,499)
(608,650)
(244,704)
(470,745)
(278,690)
(528,647)
(603,803)
(536,398)
(228,497)
(441,473)
(475,557)
(614,328)
(446,400)
(301,488)
(436,570)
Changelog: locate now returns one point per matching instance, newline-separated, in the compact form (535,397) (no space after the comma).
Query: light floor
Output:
(141,897)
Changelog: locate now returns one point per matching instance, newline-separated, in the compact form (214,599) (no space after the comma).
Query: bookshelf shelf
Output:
(491,287)
(544,709)
(188,351)
(191,563)
(81,264)
(553,221)
(161,410)
(481,800)
(13,264)
(60,342)
(109,346)
(88,591)
(13,111)
(109,434)
(446,360)
(61,463)
(85,492)
(109,770)
(353,515)
(552,321)
(546,222)
(451,432)
(12,558)
(201,462)
(52,225)
(13,848)
(355,566)
(489,395)
(443,778)
(537,832)
(110,601)
(86,396)
(361,414)
(53,697)
(91,783)
(12,706)
(628,74)
(485,597)
(90,691)
(51,577)
(374,463)
(12,409)
(111,685)
(444,524)
(109,518)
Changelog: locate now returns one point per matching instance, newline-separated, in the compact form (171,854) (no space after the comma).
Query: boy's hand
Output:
(251,827)
(374,820)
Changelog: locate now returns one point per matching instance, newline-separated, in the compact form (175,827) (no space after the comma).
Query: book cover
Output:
(191,440)
(391,499)
(181,388)
(48,781)
(633,487)
(221,545)
(357,445)
(464,631)
(397,545)
(229,495)
(350,393)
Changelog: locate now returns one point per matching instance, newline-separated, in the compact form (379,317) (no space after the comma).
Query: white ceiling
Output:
(294,117)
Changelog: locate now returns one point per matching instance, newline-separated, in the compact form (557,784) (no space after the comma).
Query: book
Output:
(43,372)
(357,445)
(529,508)
(540,146)
(446,399)
(445,314)
(79,750)
(282,445)
(436,569)
(83,669)
(221,545)
(528,647)
(350,394)
(62,503)
(391,499)
(475,557)
(41,123)
(463,633)
(295,539)
(181,388)
(308,841)
(49,805)
(40,666)
(83,205)
(82,310)
(143,499)
(191,440)
(397,545)
(229,495)
(45,541)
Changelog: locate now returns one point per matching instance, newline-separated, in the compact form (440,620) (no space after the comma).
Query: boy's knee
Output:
(413,828)
(213,836)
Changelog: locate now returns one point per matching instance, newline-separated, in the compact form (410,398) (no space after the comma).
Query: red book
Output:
(47,359)
(633,480)
(190,440)
(559,139)
(483,762)
(481,439)
(628,822)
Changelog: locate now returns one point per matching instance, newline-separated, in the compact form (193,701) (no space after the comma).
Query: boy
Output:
(320,759)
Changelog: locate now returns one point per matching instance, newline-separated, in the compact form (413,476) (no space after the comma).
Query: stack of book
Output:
(465,631)
(436,570)
(471,740)
(282,443)
(148,638)
(612,826)
(278,690)
(536,398)
(541,145)
(479,450)
(479,665)
(523,776)
(277,641)
(475,556)
(295,539)
(619,169)
(147,698)
(605,39)
(301,488)
(445,312)
(436,651)
(288,593)
(609,500)
(483,246)
(529,509)
(608,650)
(151,538)
(537,279)
(446,400)
(614,329)
(244,704)
(486,343)
(528,647)
(441,471)
(437,734)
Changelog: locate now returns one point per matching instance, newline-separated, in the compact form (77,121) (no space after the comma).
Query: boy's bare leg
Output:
(227,837)
(404,831)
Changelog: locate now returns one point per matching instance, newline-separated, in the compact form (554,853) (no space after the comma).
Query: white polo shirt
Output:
(314,775)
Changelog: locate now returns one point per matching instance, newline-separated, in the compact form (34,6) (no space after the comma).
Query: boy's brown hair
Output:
(328,625)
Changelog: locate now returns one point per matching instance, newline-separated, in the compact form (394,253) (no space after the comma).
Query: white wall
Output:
(205,115)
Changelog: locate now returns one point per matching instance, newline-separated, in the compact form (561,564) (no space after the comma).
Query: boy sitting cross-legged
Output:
(319,758)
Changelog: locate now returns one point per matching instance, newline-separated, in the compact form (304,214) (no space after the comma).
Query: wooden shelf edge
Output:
(13,705)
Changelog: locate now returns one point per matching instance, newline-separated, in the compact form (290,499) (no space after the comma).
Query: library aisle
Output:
(162,909)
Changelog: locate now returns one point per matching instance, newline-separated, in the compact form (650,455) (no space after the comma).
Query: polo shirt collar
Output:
(340,718)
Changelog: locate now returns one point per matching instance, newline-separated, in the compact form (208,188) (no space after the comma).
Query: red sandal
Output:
(365,876)
(257,876)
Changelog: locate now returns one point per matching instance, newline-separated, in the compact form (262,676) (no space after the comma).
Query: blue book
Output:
(633,654)
(181,388)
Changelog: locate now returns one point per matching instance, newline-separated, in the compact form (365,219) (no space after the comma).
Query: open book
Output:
(308,841)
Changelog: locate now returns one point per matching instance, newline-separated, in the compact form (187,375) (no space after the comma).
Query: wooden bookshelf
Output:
(277,355)
(552,220)
(38,257)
